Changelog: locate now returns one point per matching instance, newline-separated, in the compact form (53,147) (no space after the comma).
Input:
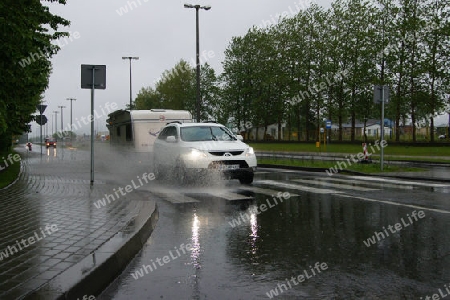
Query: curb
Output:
(311,169)
(95,272)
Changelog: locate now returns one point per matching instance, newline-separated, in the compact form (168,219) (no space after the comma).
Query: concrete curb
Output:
(96,271)
(310,169)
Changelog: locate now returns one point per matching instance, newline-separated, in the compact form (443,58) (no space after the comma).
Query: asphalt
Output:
(55,243)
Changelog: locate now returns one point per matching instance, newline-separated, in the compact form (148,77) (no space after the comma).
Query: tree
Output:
(436,77)
(25,66)
(148,98)
(177,87)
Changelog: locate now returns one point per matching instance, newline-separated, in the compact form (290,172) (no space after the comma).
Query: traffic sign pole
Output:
(92,125)
(90,80)
(327,129)
(41,109)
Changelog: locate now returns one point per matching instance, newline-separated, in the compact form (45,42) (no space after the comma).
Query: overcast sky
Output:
(159,32)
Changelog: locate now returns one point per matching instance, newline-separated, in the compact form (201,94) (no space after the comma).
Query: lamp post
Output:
(130,58)
(71,129)
(62,123)
(56,121)
(197,8)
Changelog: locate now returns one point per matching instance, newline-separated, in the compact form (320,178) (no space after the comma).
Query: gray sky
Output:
(159,32)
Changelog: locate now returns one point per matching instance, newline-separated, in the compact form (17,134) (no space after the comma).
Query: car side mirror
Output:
(171,139)
(240,137)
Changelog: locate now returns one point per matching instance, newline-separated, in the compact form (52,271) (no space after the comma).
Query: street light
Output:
(130,58)
(62,123)
(197,8)
(56,121)
(71,129)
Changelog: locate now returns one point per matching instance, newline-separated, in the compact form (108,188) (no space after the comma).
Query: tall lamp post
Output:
(130,58)
(71,129)
(197,8)
(56,121)
(62,123)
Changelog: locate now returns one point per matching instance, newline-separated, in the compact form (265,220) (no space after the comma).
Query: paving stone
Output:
(55,191)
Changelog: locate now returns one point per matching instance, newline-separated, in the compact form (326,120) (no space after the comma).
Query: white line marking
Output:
(380,184)
(428,184)
(299,187)
(232,196)
(259,190)
(174,197)
(397,204)
(337,185)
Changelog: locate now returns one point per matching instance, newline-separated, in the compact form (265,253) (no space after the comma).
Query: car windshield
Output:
(206,133)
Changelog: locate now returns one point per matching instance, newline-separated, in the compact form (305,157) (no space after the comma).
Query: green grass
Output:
(9,174)
(363,168)
(394,149)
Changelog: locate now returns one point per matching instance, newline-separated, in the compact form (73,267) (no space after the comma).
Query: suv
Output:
(50,142)
(190,148)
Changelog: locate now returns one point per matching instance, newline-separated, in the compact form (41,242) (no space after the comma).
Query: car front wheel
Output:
(246,178)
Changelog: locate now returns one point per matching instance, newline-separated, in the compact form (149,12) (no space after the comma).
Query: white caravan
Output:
(139,128)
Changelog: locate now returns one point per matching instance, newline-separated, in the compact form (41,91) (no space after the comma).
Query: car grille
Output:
(222,153)
(215,164)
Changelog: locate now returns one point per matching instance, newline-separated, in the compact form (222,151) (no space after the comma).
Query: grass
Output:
(394,149)
(363,168)
(10,173)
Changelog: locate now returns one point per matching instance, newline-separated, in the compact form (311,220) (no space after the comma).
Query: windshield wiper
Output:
(228,133)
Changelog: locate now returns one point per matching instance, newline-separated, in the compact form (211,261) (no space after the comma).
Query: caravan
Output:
(138,129)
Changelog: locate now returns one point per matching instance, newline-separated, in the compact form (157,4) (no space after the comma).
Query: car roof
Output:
(196,124)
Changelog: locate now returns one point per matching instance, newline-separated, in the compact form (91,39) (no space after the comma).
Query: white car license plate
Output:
(228,167)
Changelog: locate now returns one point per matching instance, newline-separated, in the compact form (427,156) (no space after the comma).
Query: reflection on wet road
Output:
(247,246)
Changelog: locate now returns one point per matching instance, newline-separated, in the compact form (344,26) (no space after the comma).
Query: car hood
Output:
(219,145)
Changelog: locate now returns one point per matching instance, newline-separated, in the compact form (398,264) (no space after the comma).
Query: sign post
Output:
(41,109)
(328,127)
(93,77)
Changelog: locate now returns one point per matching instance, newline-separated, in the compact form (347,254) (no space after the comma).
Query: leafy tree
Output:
(436,77)
(177,87)
(212,106)
(148,98)
(25,66)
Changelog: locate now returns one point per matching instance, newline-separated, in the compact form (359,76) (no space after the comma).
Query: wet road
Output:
(339,237)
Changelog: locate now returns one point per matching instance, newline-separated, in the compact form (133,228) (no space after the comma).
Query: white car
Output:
(187,149)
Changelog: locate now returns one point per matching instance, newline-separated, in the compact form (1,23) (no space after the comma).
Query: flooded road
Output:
(340,237)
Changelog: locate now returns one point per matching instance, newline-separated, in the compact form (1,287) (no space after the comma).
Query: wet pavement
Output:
(239,253)
(50,222)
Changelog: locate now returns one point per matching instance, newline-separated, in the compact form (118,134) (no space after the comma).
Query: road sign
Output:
(377,93)
(96,71)
(41,108)
(328,124)
(41,119)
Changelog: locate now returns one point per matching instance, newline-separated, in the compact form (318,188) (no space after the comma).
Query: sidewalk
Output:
(55,243)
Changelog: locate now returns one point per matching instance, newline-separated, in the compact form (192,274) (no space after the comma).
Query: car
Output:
(189,149)
(50,142)
(442,136)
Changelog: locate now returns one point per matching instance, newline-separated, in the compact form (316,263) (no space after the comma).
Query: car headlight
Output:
(196,154)
(250,151)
